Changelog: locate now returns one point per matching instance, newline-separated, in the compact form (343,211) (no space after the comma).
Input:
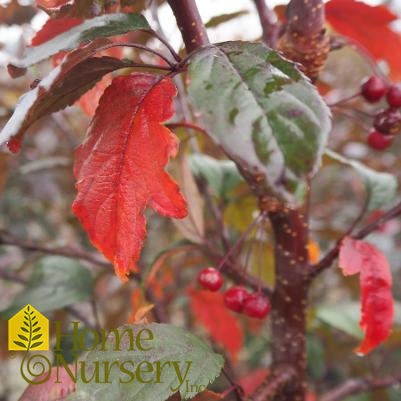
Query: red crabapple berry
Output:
(388,122)
(235,297)
(210,279)
(378,141)
(393,96)
(373,89)
(257,305)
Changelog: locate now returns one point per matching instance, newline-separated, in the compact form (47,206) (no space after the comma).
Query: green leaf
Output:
(221,175)
(20,344)
(178,349)
(22,337)
(24,329)
(380,187)
(36,337)
(220,19)
(344,317)
(36,344)
(56,282)
(262,112)
(98,27)
(35,330)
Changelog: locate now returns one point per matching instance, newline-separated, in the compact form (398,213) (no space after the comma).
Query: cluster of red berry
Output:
(387,123)
(237,298)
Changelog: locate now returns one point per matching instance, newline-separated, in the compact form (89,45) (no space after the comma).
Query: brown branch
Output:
(68,252)
(190,23)
(275,383)
(268,21)
(365,231)
(356,386)
(305,39)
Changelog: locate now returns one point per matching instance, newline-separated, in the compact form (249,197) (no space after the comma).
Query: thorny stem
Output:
(356,386)
(189,23)
(268,21)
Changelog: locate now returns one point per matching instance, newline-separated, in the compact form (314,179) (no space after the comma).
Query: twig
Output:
(365,231)
(356,386)
(8,239)
(274,384)
(268,21)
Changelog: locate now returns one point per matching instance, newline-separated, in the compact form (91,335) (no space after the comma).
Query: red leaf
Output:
(251,381)
(90,100)
(375,278)
(369,26)
(223,327)
(54,27)
(120,167)
(56,385)
(50,3)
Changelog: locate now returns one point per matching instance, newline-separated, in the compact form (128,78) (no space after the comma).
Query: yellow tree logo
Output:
(28,330)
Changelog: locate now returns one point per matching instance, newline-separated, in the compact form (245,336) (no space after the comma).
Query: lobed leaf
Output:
(381,187)
(361,257)
(120,167)
(99,27)
(262,112)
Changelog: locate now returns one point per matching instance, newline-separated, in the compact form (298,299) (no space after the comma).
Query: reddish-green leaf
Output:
(54,27)
(209,310)
(369,26)
(89,30)
(361,257)
(120,167)
(62,87)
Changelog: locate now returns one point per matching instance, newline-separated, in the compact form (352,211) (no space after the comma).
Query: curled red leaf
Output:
(361,257)
(120,167)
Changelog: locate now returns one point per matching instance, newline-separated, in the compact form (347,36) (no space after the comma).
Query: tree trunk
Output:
(289,301)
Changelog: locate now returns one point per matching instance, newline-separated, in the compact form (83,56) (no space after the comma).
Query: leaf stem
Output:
(140,47)
(165,43)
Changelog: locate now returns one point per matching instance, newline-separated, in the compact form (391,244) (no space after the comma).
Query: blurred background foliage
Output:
(37,190)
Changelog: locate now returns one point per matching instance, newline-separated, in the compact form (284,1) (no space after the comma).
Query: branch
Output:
(364,232)
(268,21)
(305,39)
(190,24)
(274,384)
(68,252)
(356,386)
